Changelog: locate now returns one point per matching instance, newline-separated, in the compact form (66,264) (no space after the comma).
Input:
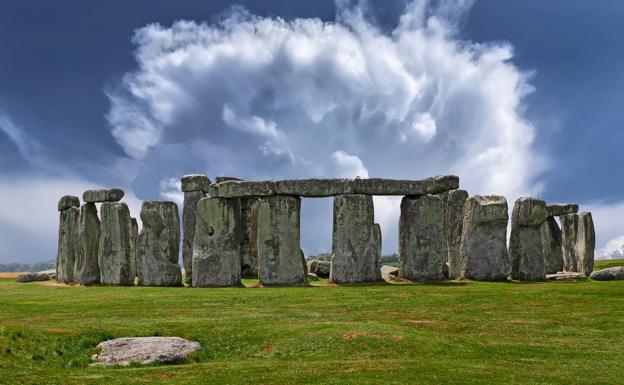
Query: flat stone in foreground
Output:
(195,182)
(103,195)
(525,242)
(565,276)
(380,186)
(68,201)
(32,277)
(144,350)
(608,274)
(559,209)
(315,187)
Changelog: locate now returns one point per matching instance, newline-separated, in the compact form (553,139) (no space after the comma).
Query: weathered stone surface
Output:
(189,213)
(565,276)
(114,250)
(220,179)
(315,187)
(217,243)
(103,195)
(608,274)
(551,245)
(31,277)
(569,228)
(433,185)
(279,251)
(483,251)
(144,350)
(242,189)
(320,268)
(422,240)
(68,201)
(86,267)
(355,246)
(525,242)
(560,209)
(158,246)
(585,244)
(454,223)
(195,182)
(389,273)
(377,236)
(134,240)
(67,244)
(249,244)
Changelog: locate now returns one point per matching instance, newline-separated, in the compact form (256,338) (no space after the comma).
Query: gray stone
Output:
(525,242)
(320,268)
(31,277)
(377,236)
(134,240)
(144,350)
(279,250)
(114,250)
(608,274)
(217,243)
(355,244)
(189,213)
(585,244)
(454,223)
(312,277)
(315,187)
(565,276)
(434,185)
(195,182)
(103,195)
(67,244)
(483,251)
(242,189)
(86,267)
(551,246)
(158,247)
(560,209)
(422,240)
(249,244)
(220,179)
(67,202)
(569,228)
(389,273)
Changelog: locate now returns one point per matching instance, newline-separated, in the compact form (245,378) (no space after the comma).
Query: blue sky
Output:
(516,97)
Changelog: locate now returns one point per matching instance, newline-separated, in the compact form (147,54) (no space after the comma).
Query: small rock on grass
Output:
(143,350)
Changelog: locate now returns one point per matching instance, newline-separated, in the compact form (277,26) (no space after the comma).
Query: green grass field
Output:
(451,333)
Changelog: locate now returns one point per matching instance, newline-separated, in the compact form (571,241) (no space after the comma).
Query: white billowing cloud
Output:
(613,249)
(268,98)
(607,217)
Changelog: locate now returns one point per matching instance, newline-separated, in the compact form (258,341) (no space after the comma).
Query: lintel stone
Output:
(195,182)
(103,195)
(68,201)
(559,209)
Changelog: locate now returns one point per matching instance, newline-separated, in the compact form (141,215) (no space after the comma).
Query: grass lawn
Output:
(452,333)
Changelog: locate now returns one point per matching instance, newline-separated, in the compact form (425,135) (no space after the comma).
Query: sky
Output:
(519,98)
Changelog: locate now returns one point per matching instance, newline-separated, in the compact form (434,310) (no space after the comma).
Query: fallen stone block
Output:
(195,182)
(31,277)
(608,274)
(559,209)
(315,187)
(320,268)
(525,242)
(144,350)
(68,201)
(566,276)
(379,186)
(389,273)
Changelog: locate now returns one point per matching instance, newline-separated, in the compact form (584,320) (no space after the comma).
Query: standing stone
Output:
(249,246)
(159,245)
(483,251)
(569,228)
(86,268)
(585,244)
(68,201)
(355,241)
(217,243)
(422,240)
(195,182)
(189,214)
(69,225)
(551,245)
(525,242)
(134,239)
(454,224)
(114,250)
(278,240)
(377,237)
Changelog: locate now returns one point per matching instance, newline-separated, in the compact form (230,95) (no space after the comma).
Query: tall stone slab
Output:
(114,249)
(355,240)
(454,224)
(422,240)
(134,239)
(189,214)
(158,246)
(525,242)
(249,245)
(217,243)
(551,246)
(69,225)
(377,237)
(483,251)
(569,228)
(278,241)
(87,268)
(585,244)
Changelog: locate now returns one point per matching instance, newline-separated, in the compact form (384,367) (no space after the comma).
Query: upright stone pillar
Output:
(483,251)
(114,249)
(355,241)
(525,243)
(69,224)
(87,268)
(159,245)
(217,243)
(422,240)
(585,244)
(569,228)
(249,246)
(194,187)
(134,239)
(551,245)
(278,240)
(378,242)
(454,223)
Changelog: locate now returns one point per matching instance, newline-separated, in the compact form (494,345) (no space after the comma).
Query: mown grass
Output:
(452,333)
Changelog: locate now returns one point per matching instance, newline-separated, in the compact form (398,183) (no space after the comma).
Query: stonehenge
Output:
(233,229)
